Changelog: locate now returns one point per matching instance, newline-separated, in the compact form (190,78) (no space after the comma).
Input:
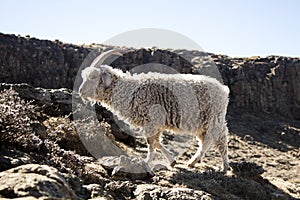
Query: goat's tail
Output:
(226,89)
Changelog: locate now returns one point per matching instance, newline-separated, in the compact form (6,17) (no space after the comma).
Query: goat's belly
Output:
(182,131)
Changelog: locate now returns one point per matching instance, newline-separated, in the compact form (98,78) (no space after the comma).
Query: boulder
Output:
(149,191)
(33,180)
(126,167)
(10,158)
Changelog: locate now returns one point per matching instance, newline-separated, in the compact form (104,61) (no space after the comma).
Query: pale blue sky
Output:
(234,28)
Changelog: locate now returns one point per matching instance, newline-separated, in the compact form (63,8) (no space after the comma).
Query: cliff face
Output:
(269,85)
(39,62)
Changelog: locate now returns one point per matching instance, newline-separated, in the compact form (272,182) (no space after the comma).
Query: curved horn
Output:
(103,56)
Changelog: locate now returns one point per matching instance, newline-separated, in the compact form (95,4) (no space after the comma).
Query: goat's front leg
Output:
(150,154)
(153,142)
(166,153)
(203,147)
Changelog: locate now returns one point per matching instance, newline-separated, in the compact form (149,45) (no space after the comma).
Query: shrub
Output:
(17,121)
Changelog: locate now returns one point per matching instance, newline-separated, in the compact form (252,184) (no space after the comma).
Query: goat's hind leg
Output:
(222,145)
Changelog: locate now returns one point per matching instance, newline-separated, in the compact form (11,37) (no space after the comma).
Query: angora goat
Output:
(154,102)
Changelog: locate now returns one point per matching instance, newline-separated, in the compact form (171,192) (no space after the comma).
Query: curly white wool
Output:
(154,102)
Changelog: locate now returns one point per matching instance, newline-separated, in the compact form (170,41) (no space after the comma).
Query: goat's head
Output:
(96,78)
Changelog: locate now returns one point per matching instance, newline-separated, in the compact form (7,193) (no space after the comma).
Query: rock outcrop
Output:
(268,85)
(34,180)
(39,62)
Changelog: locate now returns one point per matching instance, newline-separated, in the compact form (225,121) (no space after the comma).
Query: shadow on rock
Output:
(243,182)
(253,127)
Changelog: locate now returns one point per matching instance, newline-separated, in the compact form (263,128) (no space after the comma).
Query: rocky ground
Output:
(41,156)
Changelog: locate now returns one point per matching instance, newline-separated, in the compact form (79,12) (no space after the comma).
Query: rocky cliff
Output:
(270,84)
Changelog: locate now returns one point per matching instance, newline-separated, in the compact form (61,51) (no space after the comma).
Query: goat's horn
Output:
(103,56)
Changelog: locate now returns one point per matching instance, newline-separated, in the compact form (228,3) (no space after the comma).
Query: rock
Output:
(247,169)
(159,167)
(55,102)
(58,103)
(124,166)
(94,173)
(63,131)
(97,192)
(36,181)
(19,122)
(268,85)
(10,158)
(244,188)
(56,62)
(285,187)
(149,191)
(220,185)
(124,188)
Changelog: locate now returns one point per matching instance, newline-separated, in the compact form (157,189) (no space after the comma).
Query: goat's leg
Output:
(150,154)
(203,147)
(166,153)
(222,145)
(154,142)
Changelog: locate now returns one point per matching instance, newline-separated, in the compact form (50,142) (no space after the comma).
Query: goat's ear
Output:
(106,79)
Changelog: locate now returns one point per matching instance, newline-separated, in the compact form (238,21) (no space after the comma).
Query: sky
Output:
(231,27)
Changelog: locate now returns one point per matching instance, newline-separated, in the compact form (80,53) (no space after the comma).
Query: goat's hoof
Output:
(191,164)
(224,170)
(173,163)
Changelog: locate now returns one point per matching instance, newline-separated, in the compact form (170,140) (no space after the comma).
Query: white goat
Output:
(154,102)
